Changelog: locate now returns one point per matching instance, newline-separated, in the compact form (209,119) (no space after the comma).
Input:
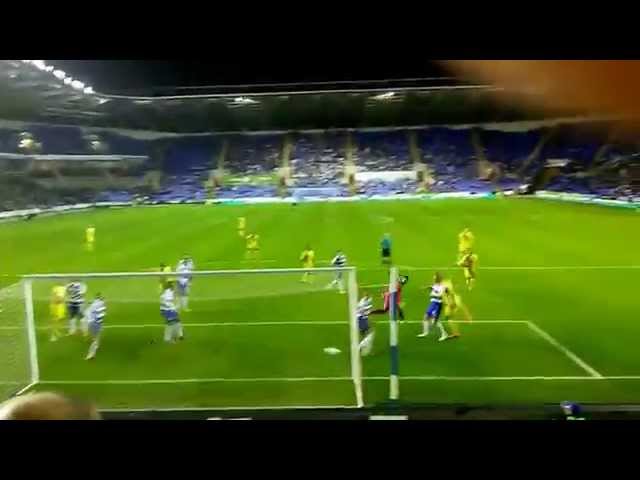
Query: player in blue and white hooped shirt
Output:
(436,304)
(95,317)
(184,269)
(74,295)
(339,261)
(367,334)
(173,328)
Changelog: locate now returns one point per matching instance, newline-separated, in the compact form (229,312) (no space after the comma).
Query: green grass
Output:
(229,361)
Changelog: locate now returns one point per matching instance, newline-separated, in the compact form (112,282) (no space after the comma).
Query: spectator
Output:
(47,406)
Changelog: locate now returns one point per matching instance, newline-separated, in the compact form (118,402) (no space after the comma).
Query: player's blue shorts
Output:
(74,309)
(95,328)
(434,310)
(171,316)
(363,324)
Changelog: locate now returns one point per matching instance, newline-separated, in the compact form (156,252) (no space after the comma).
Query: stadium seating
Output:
(186,165)
(509,148)
(317,161)
(449,155)
(253,154)
(382,151)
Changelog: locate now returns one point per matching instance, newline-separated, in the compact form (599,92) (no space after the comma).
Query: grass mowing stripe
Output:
(568,353)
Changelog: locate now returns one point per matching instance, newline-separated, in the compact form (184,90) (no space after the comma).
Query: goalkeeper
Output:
(386,295)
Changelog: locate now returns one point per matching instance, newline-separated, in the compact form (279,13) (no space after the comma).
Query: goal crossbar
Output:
(195,273)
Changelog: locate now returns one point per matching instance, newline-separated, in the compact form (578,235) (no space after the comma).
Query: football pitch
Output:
(556,309)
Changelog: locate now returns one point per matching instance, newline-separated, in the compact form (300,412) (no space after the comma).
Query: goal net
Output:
(252,338)
(18,369)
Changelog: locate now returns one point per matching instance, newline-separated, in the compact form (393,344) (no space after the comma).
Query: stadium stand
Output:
(317,159)
(382,151)
(185,165)
(253,154)
(60,165)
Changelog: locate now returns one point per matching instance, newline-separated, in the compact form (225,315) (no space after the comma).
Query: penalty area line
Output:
(539,267)
(193,380)
(568,353)
(270,324)
(202,409)
(334,379)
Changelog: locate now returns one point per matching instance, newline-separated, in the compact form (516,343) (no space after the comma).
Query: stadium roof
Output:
(33,90)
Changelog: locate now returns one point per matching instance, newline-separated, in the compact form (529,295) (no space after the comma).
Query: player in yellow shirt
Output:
(90,237)
(452,304)
(163,279)
(57,311)
(465,242)
(253,245)
(307,257)
(469,262)
(242,225)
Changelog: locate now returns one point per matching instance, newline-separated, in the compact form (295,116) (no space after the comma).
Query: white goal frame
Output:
(352,291)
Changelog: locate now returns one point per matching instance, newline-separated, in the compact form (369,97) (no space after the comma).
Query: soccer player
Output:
(367,334)
(453,303)
(465,242)
(90,237)
(252,245)
(242,224)
(95,315)
(339,261)
(75,292)
(163,279)
(57,311)
(402,280)
(184,269)
(385,248)
(468,262)
(307,257)
(432,315)
(173,329)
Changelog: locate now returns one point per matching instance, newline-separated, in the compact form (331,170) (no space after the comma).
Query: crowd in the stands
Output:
(456,159)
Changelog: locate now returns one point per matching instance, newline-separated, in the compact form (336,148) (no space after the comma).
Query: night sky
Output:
(128,76)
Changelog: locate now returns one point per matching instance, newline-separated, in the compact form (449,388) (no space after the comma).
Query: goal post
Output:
(276,337)
(18,355)
(356,359)
(394,376)
(30,328)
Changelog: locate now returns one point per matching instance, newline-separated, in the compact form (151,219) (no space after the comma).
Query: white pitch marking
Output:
(255,324)
(193,380)
(362,268)
(567,267)
(483,379)
(28,387)
(568,353)
(197,409)
(333,379)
